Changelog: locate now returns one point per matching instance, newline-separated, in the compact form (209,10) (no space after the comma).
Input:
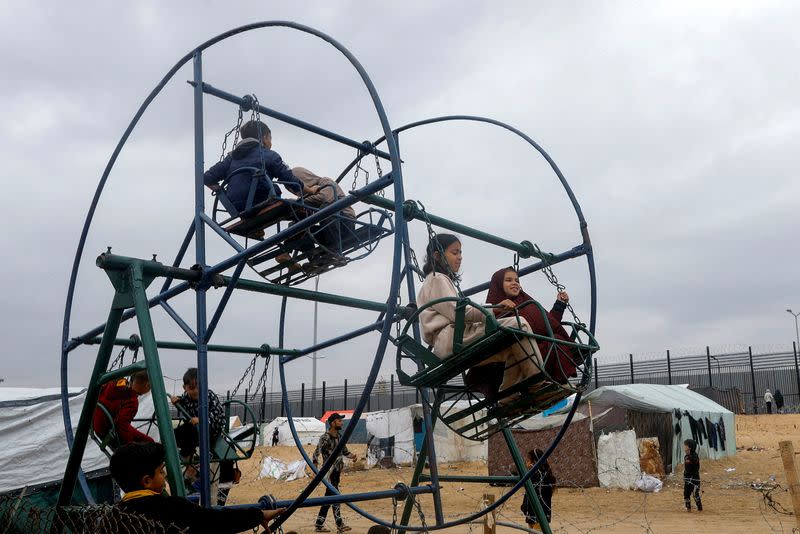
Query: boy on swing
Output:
(121,399)
(254,151)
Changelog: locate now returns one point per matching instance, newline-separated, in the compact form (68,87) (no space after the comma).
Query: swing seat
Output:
(437,371)
(232,444)
(111,440)
(369,228)
(466,413)
(254,221)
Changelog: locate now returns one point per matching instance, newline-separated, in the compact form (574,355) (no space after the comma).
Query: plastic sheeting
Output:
(451,447)
(32,437)
(390,434)
(273,468)
(309,431)
(618,460)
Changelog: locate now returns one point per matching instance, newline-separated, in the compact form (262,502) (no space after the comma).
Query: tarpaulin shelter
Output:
(309,430)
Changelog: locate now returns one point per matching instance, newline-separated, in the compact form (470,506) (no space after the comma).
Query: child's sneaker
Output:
(343,528)
(321,528)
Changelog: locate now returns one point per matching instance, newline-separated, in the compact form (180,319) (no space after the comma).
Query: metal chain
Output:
(553,279)
(262,381)
(516,262)
(359,169)
(118,359)
(394,515)
(439,249)
(251,369)
(420,513)
(235,131)
(382,192)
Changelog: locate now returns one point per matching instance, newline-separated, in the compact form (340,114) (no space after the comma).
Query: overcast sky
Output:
(676,124)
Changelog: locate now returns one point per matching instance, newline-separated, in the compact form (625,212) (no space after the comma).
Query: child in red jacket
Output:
(121,399)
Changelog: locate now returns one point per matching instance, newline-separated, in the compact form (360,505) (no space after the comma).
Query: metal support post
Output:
(323,398)
(753,381)
(529,489)
(89,405)
(391,393)
(200,291)
(631,360)
(596,375)
(708,360)
(344,402)
(796,369)
(669,369)
(303,399)
(158,390)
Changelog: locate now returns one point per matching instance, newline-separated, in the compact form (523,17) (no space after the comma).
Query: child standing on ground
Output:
(544,483)
(691,475)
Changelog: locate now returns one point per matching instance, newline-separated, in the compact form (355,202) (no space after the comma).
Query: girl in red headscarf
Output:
(504,289)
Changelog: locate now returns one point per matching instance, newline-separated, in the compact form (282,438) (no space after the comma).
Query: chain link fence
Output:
(21,516)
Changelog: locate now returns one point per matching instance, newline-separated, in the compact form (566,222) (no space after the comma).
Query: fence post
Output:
(263,402)
(708,360)
(787,455)
(669,369)
(303,399)
(391,392)
(228,395)
(345,395)
(245,396)
(323,398)
(632,380)
(596,373)
(282,405)
(416,396)
(753,380)
(796,369)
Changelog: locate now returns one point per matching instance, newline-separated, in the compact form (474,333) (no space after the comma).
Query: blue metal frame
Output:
(204,330)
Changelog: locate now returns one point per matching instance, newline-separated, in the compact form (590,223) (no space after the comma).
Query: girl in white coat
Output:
(438,321)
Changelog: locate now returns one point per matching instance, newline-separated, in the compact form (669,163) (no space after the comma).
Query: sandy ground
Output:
(731,504)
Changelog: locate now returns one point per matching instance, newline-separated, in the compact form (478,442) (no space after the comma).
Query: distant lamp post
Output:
(796,329)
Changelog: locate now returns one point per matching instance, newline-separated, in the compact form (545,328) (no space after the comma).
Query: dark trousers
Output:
(187,438)
(323,511)
(691,486)
(769,407)
(336,233)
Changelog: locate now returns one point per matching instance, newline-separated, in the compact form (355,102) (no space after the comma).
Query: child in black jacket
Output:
(691,475)
(138,468)
(543,482)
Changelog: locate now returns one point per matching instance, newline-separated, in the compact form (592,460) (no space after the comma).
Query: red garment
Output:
(560,365)
(122,403)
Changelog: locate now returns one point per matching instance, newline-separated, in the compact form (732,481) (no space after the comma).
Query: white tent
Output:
(692,416)
(385,425)
(399,424)
(32,436)
(309,430)
(451,447)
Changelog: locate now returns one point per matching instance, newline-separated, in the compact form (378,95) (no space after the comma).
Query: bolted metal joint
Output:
(529,249)
(267,502)
(411,210)
(266,351)
(134,342)
(248,103)
(206,281)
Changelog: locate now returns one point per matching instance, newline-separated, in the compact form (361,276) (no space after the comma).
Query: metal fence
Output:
(750,370)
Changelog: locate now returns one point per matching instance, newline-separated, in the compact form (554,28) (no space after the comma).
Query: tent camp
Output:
(670,413)
(32,437)
(309,430)
(399,434)
(359,434)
